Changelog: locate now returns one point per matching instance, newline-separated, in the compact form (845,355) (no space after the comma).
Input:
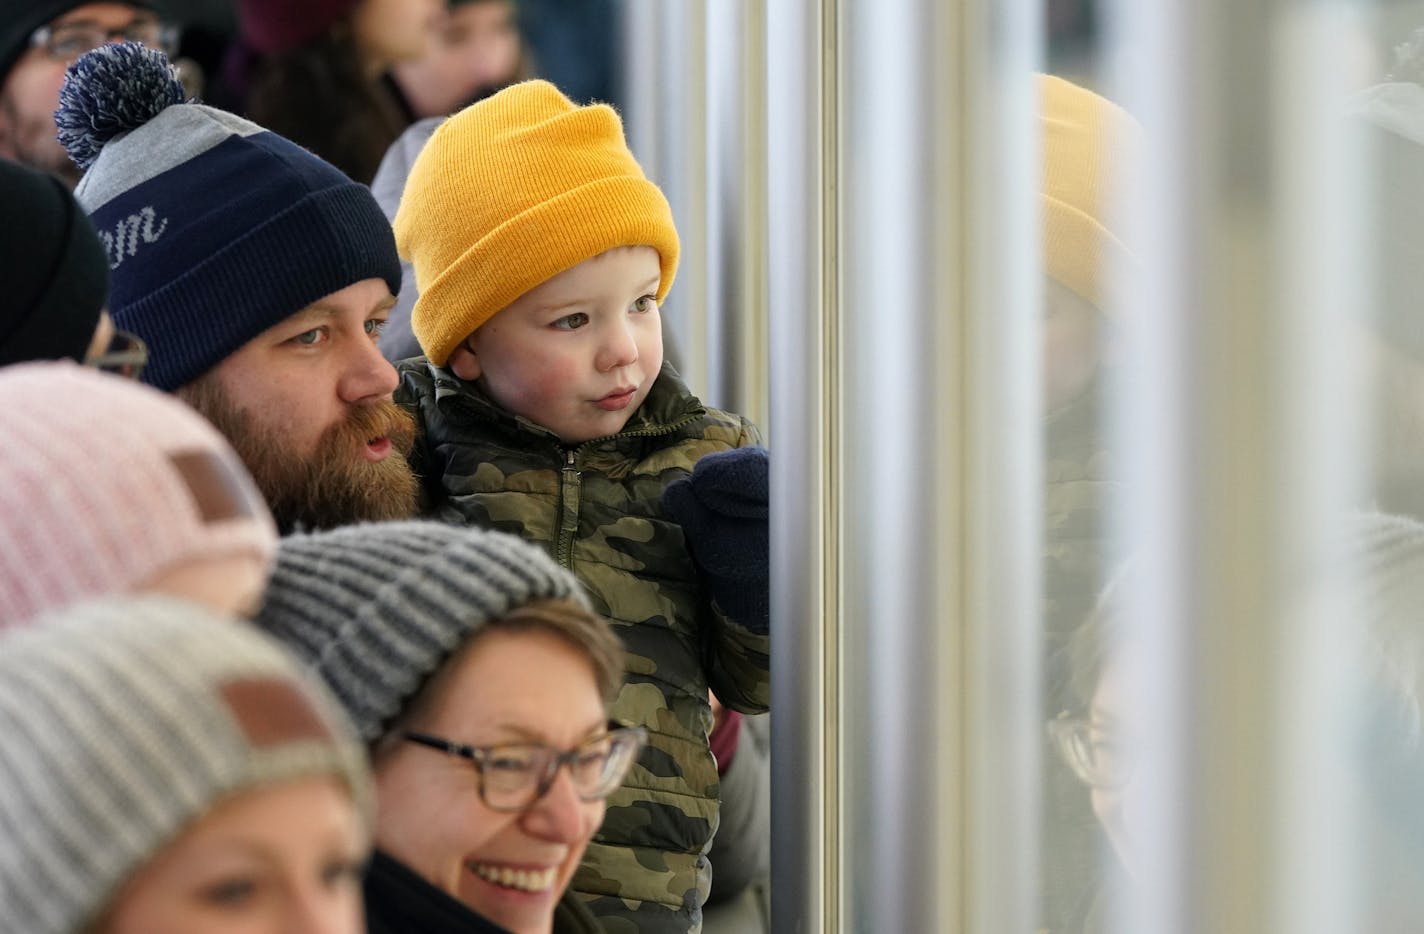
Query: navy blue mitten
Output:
(723,514)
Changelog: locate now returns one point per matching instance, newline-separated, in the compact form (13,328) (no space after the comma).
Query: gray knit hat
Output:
(124,721)
(377,608)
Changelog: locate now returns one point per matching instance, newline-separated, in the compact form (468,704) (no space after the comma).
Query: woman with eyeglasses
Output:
(1376,579)
(473,667)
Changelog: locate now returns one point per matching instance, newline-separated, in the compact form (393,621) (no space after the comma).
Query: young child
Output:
(541,253)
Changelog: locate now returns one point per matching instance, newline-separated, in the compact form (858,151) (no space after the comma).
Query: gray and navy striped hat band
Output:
(377,608)
(125,721)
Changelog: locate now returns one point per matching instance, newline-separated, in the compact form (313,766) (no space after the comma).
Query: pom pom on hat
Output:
(376,609)
(55,272)
(1088,146)
(125,722)
(215,228)
(510,192)
(114,89)
(107,483)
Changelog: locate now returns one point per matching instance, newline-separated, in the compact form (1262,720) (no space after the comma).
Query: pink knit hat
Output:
(281,25)
(105,483)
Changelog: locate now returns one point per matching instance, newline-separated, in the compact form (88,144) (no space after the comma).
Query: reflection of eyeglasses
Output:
(68,41)
(1096,755)
(126,355)
(513,777)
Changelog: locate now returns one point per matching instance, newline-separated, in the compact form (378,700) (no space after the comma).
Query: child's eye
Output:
(374,326)
(646,304)
(571,322)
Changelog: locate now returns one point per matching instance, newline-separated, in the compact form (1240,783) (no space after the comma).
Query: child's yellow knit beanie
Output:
(511,191)
(1087,145)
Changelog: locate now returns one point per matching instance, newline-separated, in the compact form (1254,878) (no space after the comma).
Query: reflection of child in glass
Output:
(1380,573)
(1086,149)
(542,253)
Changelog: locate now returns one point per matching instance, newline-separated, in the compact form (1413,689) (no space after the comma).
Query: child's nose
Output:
(620,347)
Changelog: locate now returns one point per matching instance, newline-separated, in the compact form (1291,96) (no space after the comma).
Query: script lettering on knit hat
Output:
(123,242)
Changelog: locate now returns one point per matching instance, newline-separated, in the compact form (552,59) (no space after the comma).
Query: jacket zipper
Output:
(570,491)
(571,486)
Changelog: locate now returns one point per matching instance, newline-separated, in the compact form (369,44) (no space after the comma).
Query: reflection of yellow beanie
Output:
(1085,151)
(510,192)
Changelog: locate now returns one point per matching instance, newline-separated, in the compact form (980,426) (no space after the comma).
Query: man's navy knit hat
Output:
(216,229)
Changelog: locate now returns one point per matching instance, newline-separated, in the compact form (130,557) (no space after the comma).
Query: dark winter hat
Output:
(216,228)
(377,608)
(20,18)
(55,275)
(280,25)
(125,721)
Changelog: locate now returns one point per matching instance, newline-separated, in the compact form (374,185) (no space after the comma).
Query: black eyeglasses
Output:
(514,776)
(126,355)
(67,41)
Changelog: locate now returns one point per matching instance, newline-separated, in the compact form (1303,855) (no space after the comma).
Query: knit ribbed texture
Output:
(1087,146)
(55,273)
(126,720)
(510,192)
(377,608)
(212,250)
(105,483)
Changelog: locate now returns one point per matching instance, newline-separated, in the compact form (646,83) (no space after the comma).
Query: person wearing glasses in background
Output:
(482,683)
(1375,578)
(38,40)
(56,279)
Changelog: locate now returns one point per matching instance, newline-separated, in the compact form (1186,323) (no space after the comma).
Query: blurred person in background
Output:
(317,73)
(1377,576)
(1087,152)
(38,40)
(476,50)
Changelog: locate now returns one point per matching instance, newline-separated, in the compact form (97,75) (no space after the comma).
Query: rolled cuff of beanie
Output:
(535,246)
(328,240)
(1080,252)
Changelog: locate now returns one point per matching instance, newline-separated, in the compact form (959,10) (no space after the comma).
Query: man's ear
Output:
(463,362)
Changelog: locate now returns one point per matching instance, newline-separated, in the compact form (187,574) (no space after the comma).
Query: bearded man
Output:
(260,278)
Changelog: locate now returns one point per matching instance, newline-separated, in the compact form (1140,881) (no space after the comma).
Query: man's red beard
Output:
(336,485)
